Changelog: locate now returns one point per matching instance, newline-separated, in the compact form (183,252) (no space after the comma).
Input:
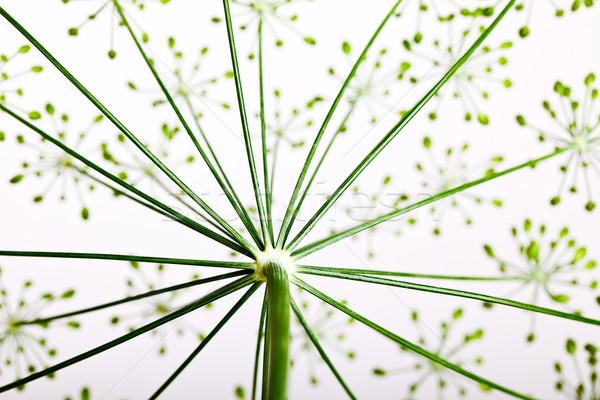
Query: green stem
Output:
(239,239)
(43,321)
(408,345)
(241,213)
(208,338)
(242,108)
(174,214)
(288,214)
(320,244)
(126,257)
(305,268)
(457,293)
(278,320)
(406,118)
(315,341)
(217,294)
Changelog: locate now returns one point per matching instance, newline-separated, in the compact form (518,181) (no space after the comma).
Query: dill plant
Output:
(274,253)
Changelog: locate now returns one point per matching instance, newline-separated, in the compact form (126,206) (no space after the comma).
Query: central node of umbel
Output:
(273,256)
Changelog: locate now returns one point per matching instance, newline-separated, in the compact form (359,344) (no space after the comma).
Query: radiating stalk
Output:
(457,293)
(408,345)
(127,257)
(315,341)
(196,282)
(313,149)
(320,244)
(245,127)
(406,118)
(278,320)
(176,216)
(339,130)
(206,340)
(239,239)
(240,212)
(217,294)
(263,134)
(355,271)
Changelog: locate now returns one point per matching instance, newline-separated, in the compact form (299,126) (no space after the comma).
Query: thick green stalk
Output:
(278,319)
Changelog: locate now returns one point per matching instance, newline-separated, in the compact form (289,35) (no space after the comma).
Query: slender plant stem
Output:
(196,282)
(457,293)
(206,340)
(243,216)
(241,241)
(363,55)
(314,174)
(263,134)
(278,293)
(176,216)
(191,207)
(214,156)
(143,203)
(259,341)
(244,120)
(315,341)
(352,271)
(313,149)
(126,257)
(320,244)
(406,118)
(217,294)
(406,344)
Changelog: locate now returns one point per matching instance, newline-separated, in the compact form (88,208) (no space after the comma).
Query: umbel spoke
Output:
(217,294)
(241,212)
(288,220)
(355,271)
(125,257)
(320,244)
(196,282)
(176,216)
(206,340)
(454,292)
(244,120)
(405,343)
(238,238)
(315,341)
(406,118)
